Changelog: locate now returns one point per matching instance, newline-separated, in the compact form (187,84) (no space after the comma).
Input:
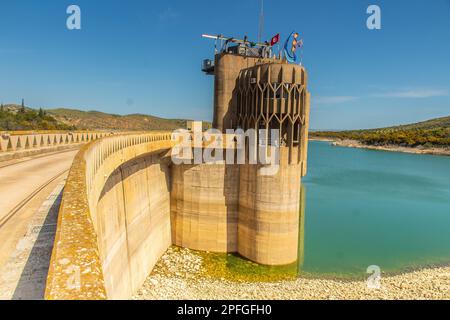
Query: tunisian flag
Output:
(275,40)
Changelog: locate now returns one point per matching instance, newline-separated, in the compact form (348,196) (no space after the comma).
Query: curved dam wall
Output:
(124,204)
(133,223)
(114,220)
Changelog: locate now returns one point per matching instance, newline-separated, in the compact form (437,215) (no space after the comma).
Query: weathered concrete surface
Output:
(75,268)
(24,274)
(227,69)
(236,208)
(204,206)
(133,223)
(86,242)
(269,207)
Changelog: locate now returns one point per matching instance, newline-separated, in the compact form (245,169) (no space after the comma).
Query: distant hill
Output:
(105,121)
(426,125)
(431,133)
(13,117)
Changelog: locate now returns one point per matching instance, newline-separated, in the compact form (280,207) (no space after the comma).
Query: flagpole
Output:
(301,53)
(261,22)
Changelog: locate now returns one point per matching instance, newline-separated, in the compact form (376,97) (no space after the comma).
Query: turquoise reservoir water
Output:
(366,207)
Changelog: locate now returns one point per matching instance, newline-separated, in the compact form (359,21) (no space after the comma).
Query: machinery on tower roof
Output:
(242,47)
(262,50)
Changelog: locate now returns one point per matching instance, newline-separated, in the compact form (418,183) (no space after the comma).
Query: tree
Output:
(2,108)
(41,113)
(22,109)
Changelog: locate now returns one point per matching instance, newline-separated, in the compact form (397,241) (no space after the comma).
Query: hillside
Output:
(425,125)
(105,121)
(428,134)
(15,117)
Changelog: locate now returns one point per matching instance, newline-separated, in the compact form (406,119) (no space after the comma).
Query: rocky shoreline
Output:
(179,275)
(391,148)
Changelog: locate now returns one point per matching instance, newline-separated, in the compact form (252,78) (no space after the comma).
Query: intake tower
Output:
(236,208)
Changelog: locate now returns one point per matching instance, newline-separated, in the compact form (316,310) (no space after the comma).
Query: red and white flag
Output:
(275,40)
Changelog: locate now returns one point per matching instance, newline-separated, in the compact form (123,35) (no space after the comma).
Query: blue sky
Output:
(136,56)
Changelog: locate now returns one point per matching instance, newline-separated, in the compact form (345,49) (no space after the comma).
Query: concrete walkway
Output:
(24,274)
(29,202)
(19,180)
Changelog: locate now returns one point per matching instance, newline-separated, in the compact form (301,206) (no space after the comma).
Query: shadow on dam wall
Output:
(133,223)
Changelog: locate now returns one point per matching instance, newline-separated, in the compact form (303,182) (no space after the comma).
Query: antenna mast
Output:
(261,22)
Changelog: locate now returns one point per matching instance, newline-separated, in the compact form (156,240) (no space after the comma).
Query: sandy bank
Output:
(391,148)
(178,275)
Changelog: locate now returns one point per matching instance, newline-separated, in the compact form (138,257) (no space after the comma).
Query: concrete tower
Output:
(235,208)
(227,68)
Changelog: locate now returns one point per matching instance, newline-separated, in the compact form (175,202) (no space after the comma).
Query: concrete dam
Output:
(125,202)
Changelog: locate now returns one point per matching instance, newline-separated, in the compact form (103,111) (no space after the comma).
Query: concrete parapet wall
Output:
(11,143)
(88,253)
(16,146)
